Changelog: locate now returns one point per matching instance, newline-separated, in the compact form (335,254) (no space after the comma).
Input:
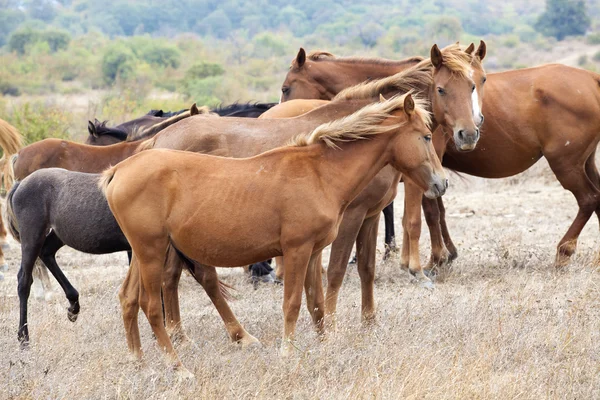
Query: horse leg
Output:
(587,195)
(42,288)
(279,268)
(366,251)
(3,246)
(445,233)
(412,208)
(209,280)
(48,256)
(170,291)
(341,248)
(296,265)
(439,253)
(151,264)
(313,287)
(390,231)
(30,250)
(130,299)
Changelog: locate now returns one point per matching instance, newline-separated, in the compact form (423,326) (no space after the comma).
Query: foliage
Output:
(37,121)
(563,18)
(23,40)
(593,38)
(118,62)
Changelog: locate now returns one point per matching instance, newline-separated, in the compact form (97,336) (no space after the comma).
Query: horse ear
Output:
(300,58)
(436,57)
(469,50)
(194,109)
(481,50)
(381,98)
(409,105)
(92,129)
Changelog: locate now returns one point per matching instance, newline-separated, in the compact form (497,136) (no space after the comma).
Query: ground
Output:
(503,323)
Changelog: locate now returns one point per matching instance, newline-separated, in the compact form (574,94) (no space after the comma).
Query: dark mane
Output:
(164,114)
(102,129)
(243,109)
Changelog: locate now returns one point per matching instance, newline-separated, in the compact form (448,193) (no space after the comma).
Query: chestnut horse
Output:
(167,200)
(301,82)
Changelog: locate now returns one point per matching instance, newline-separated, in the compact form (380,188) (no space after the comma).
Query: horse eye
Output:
(284,90)
(473,88)
(484,79)
(428,138)
(441,91)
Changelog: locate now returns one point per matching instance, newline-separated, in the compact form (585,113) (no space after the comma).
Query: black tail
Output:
(11,218)
(174,257)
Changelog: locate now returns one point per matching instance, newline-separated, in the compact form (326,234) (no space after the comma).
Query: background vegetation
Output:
(115,59)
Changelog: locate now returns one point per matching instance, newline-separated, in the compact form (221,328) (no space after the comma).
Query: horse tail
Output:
(11,218)
(10,141)
(106,178)
(176,259)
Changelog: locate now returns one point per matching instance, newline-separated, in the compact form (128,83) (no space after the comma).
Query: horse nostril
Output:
(461,134)
(446,183)
(477,134)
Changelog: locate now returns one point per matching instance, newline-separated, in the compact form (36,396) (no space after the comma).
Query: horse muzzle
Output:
(466,139)
(437,187)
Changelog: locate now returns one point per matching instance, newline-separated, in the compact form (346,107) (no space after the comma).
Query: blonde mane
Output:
(362,124)
(418,77)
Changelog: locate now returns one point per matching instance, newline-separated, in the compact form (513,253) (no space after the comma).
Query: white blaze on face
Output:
(476,109)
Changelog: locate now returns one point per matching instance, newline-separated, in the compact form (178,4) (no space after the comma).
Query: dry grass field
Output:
(502,323)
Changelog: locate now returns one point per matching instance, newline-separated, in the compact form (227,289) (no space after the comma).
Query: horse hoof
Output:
(72,316)
(4,267)
(24,344)
(430,273)
(184,374)
(250,342)
(427,285)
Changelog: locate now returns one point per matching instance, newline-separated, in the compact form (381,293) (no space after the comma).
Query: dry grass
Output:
(502,324)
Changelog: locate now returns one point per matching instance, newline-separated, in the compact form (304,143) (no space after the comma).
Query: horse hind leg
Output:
(577,181)
(48,256)
(366,250)
(313,288)
(390,231)
(131,297)
(30,250)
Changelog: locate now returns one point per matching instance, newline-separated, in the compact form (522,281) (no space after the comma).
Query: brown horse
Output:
(322,76)
(167,200)
(303,81)
(73,156)
(10,141)
(293,108)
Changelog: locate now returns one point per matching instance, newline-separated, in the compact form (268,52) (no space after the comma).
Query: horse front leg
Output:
(439,253)
(366,252)
(412,210)
(390,231)
(313,288)
(296,265)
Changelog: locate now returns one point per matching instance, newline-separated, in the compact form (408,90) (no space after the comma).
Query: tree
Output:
(118,61)
(563,18)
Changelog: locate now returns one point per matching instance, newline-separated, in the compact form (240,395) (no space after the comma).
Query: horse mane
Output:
(102,129)
(362,124)
(418,77)
(140,133)
(320,55)
(237,107)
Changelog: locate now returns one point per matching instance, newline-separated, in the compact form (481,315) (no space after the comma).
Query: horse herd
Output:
(204,188)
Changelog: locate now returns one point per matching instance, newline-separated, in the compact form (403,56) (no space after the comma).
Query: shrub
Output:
(593,38)
(118,62)
(38,121)
(596,57)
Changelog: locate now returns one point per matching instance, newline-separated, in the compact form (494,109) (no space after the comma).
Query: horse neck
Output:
(118,152)
(337,75)
(347,170)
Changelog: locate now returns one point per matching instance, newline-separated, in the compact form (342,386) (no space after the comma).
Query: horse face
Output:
(299,83)
(415,157)
(457,102)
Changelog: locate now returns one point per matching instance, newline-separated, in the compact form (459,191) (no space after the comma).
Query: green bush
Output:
(593,38)
(9,89)
(22,39)
(582,60)
(118,62)
(596,57)
(203,70)
(38,121)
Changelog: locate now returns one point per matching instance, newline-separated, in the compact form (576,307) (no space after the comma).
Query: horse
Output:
(305,81)
(101,135)
(244,138)
(10,141)
(550,111)
(52,208)
(293,108)
(159,209)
